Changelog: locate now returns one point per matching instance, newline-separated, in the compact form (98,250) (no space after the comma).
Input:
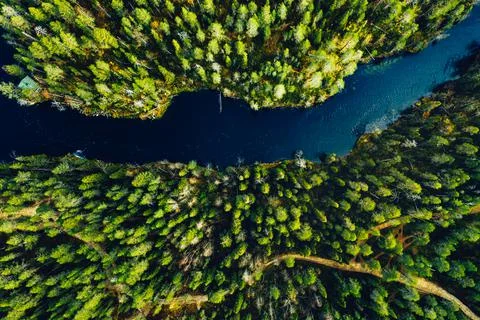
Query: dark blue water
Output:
(194,129)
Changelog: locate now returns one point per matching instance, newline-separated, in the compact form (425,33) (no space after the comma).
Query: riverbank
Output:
(131,62)
(373,98)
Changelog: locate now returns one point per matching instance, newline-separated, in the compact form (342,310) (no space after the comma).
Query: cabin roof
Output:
(28,83)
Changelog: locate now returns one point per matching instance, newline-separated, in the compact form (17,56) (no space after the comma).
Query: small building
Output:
(29,83)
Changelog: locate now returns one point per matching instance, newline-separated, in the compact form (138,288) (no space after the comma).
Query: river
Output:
(194,128)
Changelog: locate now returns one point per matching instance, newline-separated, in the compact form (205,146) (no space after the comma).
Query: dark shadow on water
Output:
(462,65)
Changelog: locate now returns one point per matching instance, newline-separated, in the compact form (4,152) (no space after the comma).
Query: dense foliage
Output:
(378,234)
(129,58)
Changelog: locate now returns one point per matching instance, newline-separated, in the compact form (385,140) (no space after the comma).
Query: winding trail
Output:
(418,283)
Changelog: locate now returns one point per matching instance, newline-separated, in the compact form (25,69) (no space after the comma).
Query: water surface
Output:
(194,129)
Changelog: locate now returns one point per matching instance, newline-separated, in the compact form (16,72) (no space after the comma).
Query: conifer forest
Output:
(390,230)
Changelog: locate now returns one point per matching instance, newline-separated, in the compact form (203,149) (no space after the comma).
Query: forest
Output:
(129,59)
(391,231)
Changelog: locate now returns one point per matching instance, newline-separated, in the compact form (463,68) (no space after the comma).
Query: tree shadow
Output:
(463,65)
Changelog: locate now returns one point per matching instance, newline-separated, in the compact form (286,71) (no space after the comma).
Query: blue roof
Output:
(28,83)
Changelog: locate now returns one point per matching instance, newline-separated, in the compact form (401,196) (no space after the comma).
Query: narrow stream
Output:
(195,129)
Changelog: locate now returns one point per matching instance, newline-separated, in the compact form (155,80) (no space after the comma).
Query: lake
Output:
(194,128)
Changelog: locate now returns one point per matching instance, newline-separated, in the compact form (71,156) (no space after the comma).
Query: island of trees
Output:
(124,58)
(392,231)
